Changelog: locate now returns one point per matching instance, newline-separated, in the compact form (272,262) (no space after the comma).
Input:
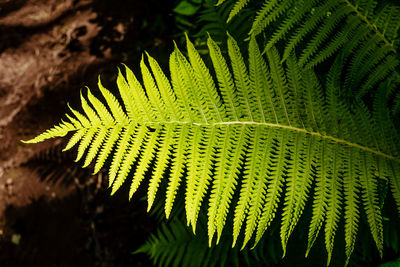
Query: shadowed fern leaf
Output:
(174,245)
(262,129)
(366,32)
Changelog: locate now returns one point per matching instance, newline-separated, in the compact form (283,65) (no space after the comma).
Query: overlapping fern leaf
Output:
(366,32)
(215,23)
(264,131)
(173,244)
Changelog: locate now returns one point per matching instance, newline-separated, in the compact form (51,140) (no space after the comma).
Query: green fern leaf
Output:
(201,175)
(108,144)
(321,194)
(264,129)
(162,159)
(274,185)
(225,81)
(351,185)
(131,152)
(334,199)
(184,138)
(113,104)
(251,174)
(258,190)
(75,139)
(145,160)
(122,146)
(239,5)
(298,184)
(231,149)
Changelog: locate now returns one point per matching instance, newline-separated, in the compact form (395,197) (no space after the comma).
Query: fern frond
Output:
(317,30)
(75,139)
(174,245)
(165,89)
(239,5)
(260,129)
(268,13)
(216,20)
(260,83)
(129,157)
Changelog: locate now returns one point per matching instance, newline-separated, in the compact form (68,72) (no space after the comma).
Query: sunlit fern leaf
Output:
(200,176)
(366,31)
(256,144)
(256,130)
(230,149)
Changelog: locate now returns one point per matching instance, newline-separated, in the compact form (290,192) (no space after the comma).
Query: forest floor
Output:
(52,212)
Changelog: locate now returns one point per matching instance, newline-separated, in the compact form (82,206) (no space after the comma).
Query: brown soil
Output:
(52,212)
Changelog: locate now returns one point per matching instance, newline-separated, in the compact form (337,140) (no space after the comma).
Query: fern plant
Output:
(265,131)
(174,245)
(366,32)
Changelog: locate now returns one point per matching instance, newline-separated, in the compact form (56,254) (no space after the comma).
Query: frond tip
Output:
(257,129)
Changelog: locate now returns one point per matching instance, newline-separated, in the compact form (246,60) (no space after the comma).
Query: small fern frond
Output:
(239,5)
(262,133)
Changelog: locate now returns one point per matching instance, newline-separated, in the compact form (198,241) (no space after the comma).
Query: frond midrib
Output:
(371,26)
(254,123)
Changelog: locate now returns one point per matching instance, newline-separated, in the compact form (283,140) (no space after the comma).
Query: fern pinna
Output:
(264,128)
